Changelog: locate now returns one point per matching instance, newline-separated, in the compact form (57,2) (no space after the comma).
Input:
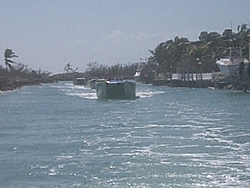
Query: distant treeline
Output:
(20,76)
(181,55)
(178,55)
(94,70)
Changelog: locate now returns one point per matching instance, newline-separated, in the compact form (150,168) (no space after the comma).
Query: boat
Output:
(79,81)
(140,67)
(137,76)
(229,66)
(116,89)
(91,83)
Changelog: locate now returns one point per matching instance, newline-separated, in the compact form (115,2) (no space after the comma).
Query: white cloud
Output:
(117,35)
(114,35)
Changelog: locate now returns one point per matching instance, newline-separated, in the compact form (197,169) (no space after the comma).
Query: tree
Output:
(178,51)
(241,39)
(8,55)
(203,36)
(168,55)
(68,68)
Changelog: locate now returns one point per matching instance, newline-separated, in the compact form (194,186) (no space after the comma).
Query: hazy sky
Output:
(48,34)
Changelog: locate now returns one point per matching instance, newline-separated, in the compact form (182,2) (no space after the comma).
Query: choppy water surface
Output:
(60,135)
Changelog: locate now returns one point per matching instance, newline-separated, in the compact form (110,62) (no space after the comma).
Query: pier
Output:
(197,80)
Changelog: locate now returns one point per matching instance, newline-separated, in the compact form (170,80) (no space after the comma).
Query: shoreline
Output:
(18,84)
(11,83)
(220,82)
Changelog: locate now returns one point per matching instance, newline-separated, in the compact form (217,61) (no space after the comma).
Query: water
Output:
(60,135)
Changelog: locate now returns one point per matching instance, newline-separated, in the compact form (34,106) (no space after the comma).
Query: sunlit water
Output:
(60,135)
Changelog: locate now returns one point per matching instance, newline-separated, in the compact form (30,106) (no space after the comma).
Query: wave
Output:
(148,94)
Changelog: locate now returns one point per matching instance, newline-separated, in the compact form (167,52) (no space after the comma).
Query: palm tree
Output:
(68,68)
(241,39)
(8,54)
(178,51)
(167,55)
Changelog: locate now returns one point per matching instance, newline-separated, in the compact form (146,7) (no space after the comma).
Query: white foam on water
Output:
(148,94)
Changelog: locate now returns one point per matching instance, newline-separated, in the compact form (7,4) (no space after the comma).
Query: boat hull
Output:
(92,83)
(228,70)
(137,76)
(116,90)
(80,81)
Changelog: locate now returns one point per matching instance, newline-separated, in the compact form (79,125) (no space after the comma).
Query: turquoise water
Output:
(60,135)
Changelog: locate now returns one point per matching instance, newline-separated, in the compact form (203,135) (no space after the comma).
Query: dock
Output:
(200,80)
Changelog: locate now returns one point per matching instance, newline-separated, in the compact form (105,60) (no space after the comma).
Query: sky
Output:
(48,34)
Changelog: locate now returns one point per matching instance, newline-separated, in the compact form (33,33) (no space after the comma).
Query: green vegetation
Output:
(181,55)
(178,55)
(8,55)
(68,68)
(94,70)
(16,75)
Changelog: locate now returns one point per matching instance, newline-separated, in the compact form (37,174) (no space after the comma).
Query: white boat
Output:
(80,81)
(137,76)
(116,89)
(229,65)
(140,67)
(91,83)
